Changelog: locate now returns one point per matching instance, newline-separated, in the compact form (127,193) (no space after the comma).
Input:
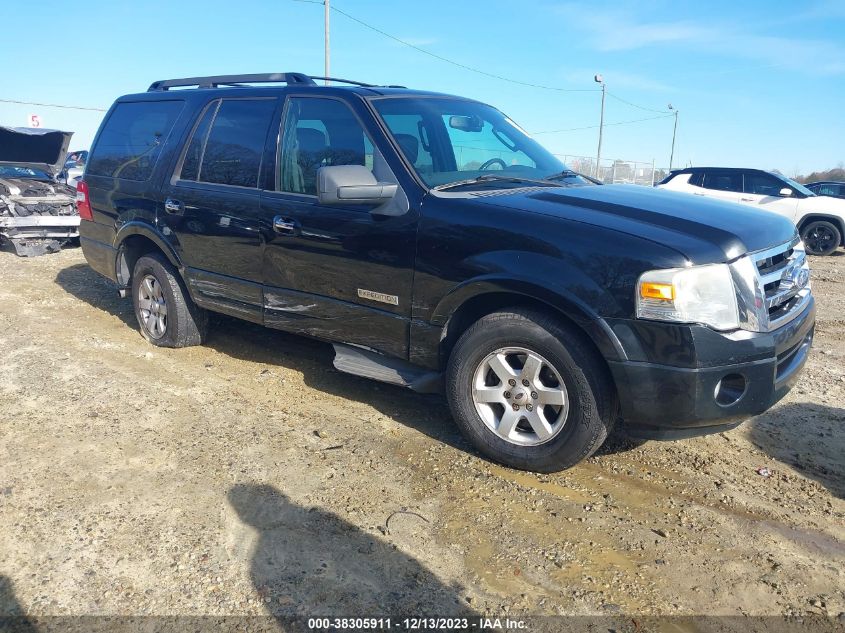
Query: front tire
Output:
(167,316)
(529,392)
(821,237)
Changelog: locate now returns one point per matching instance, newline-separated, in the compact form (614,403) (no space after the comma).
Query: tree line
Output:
(837,173)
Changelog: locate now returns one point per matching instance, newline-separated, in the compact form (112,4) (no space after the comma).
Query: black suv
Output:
(439,247)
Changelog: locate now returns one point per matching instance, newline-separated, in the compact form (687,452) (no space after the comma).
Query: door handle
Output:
(173,206)
(746,199)
(283,225)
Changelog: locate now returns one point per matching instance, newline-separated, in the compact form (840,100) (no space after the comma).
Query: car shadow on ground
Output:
(12,614)
(807,437)
(313,359)
(82,282)
(311,563)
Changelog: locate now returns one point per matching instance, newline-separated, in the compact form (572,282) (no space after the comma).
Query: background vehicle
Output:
(437,246)
(820,219)
(827,188)
(37,213)
(74,168)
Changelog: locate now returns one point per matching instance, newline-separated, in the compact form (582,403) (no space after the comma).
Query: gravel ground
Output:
(249,477)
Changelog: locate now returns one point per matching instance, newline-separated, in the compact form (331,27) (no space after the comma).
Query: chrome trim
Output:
(792,275)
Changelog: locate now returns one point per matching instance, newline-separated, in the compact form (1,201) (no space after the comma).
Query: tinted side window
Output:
(723,180)
(828,190)
(235,142)
(319,133)
(696,178)
(193,155)
(763,184)
(131,140)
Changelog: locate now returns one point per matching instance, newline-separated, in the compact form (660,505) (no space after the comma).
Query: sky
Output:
(755,83)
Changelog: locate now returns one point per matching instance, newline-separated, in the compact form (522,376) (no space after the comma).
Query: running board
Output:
(367,364)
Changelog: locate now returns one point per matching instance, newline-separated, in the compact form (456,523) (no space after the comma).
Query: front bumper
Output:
(40,227)
(728,377)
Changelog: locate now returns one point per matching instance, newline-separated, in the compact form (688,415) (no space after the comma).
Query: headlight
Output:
(699,294)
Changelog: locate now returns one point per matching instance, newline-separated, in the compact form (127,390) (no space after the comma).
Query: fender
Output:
(812,216)
(150,232)
(559,299)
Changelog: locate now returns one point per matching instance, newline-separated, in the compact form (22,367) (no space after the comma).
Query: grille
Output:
(784,277)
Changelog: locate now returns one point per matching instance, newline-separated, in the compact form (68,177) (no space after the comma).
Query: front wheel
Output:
(529,392)
(821,237)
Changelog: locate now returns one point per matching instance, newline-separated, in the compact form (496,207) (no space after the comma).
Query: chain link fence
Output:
(616,171)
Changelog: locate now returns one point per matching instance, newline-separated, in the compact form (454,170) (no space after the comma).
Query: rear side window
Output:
(723,180)
(131,140)
(231,152)
(193,155)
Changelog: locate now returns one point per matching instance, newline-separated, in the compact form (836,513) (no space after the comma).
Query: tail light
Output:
(83,204)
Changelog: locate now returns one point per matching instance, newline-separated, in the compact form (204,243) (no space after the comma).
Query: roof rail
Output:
(232,80)
(354,83)
(344,81)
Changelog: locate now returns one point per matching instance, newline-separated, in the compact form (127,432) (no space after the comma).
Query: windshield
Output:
(796,185)
(13,171)
(451,140)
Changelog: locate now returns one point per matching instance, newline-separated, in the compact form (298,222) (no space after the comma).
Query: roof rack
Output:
(232,80)
(354,83)
(239,80)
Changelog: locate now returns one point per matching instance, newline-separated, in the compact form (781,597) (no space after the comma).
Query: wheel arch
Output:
(462,308)
(835,220)
(134,240)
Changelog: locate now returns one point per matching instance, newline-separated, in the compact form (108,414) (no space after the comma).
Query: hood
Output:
(34,147)
(824,204)
(704,230)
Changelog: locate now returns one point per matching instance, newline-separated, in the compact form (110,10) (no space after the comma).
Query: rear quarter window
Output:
(131,139)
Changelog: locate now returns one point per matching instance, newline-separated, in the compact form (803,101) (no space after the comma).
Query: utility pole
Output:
(600,79)
(674,132)
(326,69)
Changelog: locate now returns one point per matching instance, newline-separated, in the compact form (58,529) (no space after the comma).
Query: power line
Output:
(446,59)
(52,105)
(592,127)
(634,105)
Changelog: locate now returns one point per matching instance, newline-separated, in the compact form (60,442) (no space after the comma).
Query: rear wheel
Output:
(166,314)
(821,237)
(529,392)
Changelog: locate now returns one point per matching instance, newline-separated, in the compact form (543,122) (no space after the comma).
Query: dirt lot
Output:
(249,477)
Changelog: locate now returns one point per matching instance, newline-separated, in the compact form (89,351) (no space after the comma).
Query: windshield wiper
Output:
(566,173)
(488,178)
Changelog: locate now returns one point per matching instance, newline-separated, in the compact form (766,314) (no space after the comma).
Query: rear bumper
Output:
(100,256)
(668,402)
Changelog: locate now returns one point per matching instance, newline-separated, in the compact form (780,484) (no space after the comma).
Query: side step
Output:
(367,364)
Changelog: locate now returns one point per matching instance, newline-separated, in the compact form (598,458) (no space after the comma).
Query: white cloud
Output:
(620,30)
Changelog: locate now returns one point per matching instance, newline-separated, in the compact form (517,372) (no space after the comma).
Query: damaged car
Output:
(37,212)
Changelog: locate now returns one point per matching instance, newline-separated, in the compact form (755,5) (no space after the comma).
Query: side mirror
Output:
(352,184)
(785,192)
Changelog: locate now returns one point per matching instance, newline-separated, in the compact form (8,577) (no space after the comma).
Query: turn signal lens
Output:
(649,290)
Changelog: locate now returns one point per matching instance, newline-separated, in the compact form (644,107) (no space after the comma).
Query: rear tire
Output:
(545,437)
(167,316)
(821,237)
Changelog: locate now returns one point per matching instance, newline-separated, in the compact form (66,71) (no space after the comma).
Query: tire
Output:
(821,237)
(183,323)
(566,358)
